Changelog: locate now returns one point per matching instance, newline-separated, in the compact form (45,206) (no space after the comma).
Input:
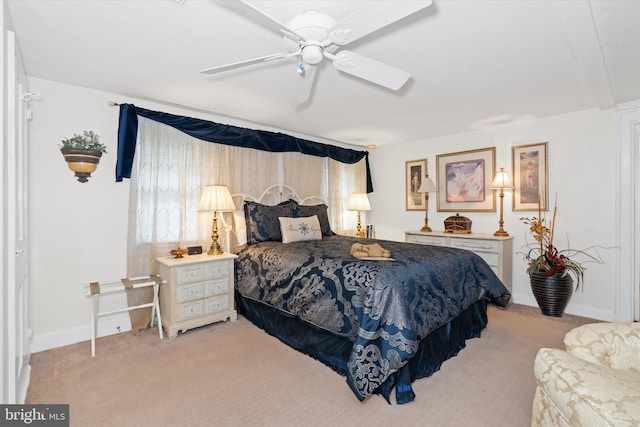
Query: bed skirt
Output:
(334,351)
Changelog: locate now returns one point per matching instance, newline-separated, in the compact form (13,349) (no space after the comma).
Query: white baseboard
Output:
(110,325)
(576,310)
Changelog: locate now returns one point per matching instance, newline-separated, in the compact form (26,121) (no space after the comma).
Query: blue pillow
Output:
(262,220)
(310,210)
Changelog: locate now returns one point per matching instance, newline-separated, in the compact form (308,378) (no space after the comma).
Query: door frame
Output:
(16,339)
(628,221)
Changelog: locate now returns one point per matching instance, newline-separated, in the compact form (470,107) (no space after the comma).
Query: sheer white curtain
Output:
(171,169)
(344,180)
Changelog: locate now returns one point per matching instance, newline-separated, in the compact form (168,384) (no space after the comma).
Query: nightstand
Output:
(199,291)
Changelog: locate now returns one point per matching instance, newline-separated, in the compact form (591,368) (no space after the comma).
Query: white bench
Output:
(95,289)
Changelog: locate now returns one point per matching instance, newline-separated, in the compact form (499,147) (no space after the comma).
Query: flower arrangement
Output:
(544,257)
(87,141)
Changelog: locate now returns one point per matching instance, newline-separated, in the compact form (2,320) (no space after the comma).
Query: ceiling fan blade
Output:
(372,17)
(304,85)
(267,58)
(262,18)
(370,69)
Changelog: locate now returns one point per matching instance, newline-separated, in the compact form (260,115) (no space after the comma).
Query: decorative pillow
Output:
(262,220)
(301,228)
(319,210)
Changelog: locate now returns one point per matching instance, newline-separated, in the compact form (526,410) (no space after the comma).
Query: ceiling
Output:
(473,64)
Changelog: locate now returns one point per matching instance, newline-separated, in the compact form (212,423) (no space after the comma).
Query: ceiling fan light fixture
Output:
(312,54)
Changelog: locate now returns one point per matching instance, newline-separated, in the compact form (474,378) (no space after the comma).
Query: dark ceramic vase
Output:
(552,293)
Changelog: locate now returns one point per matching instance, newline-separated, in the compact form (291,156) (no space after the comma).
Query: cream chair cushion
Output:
(596,382)
(616,345)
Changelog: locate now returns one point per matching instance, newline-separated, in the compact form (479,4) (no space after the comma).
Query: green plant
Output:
(544,257)
(87,141)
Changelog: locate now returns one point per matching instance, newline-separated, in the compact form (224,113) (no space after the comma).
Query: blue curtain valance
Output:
(223,134)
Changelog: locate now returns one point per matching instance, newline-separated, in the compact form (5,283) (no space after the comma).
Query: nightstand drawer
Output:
(217,304)
(427,240)
(217,287)
(476,245)
(188,274)
(190,310)
(213,271)
(190,292)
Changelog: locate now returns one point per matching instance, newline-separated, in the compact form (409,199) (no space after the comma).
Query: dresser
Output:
(497,251)
(199,291)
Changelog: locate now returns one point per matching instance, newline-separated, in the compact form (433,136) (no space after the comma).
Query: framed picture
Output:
(464,179)
(416,170)
(530,177)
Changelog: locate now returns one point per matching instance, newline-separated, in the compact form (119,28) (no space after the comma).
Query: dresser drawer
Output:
(476,245)
(190,310)
(217,304)
(426,240)
(490,258)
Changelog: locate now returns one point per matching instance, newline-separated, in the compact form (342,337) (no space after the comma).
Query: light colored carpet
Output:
(234,374)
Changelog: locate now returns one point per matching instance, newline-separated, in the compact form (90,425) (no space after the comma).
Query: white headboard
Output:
(235,231)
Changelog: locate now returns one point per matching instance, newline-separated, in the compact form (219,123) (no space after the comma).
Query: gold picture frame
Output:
(415,171)
(464,179)
(530,176)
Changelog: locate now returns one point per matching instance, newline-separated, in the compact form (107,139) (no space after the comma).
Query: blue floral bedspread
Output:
(384,307)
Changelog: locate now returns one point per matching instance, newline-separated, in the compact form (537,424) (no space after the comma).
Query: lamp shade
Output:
(216,198)
(427,186)
(501,180)
(359,202)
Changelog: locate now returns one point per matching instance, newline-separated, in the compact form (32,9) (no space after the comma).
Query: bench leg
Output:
(94,314)
(156,309)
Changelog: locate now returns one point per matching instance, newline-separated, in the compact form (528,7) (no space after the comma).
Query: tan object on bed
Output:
(374,250)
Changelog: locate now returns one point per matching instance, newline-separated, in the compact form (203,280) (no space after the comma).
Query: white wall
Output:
(78,230)
(582,172)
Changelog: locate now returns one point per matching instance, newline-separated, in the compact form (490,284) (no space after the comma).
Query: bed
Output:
(381,323)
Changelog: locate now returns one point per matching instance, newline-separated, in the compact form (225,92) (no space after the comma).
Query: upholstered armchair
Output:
(595,382)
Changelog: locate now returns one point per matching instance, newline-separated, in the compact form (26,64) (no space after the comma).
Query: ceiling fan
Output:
(312,36)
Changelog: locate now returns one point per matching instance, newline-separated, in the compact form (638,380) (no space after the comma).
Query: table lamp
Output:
(427,187)
(359,202)
(500,182)
(216,198)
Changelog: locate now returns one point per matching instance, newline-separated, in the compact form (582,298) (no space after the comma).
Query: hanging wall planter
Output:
(82,154)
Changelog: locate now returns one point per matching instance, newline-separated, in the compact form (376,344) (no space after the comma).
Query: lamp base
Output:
(501,233)
(426,229)
(215,249)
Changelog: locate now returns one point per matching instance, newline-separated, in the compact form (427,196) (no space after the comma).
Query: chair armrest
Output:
(615,345)
(585,393)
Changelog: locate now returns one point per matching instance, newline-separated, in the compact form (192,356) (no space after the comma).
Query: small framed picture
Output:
(416,170)
(464,179)
(530,177)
